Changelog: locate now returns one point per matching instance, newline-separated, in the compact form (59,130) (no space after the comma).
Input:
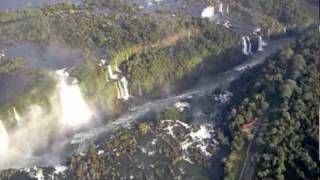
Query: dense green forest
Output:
(282,95)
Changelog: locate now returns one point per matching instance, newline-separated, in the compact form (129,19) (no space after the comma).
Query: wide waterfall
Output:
(75,111)
(244,46)
(43,128)
(4,142)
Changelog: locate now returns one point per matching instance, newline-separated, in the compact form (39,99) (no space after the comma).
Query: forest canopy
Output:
(285,100)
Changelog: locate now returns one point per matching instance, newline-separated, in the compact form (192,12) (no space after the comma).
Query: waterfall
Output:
(122,89)
(16,116)
(4,142)
(117,69)
(228,9)
(42,130)
(120,82)
(221,8)
(75,111)
(102,62)
(249,45)
(244,46)
(111,75)
(122,93)
(124,83)
(261,43)
(260,47)
(208,12)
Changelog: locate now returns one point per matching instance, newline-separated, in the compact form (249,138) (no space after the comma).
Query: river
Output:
(79,141)
(207,84)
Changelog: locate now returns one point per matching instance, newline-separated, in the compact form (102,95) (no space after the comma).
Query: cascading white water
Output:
(120,81)
(117,69)
(120,89)
(208,12)
(17,116)
(261,43)
(285,30)
(102,62)
(124,84)
(43,129)
(228,9)
(249,45)
(244,46)
(4,141)
(111,75)
(75,111)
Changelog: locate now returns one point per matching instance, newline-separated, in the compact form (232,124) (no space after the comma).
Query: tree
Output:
(143,128)
(287,88)
(296,66)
